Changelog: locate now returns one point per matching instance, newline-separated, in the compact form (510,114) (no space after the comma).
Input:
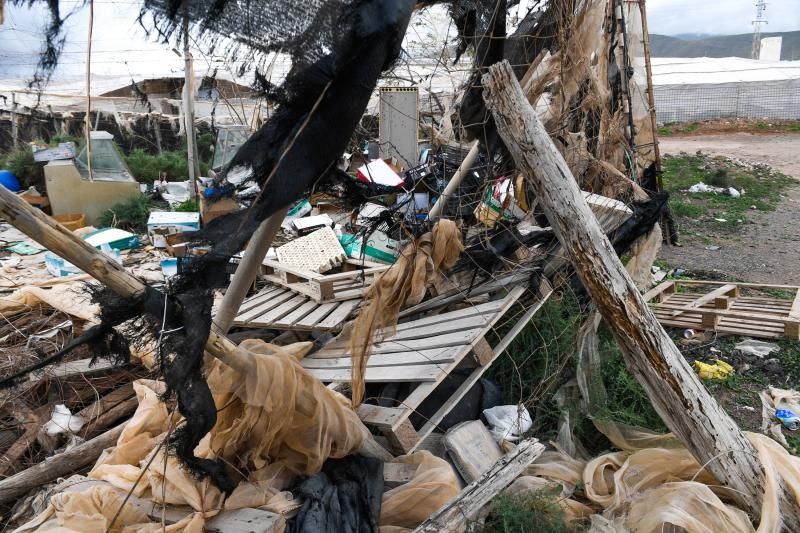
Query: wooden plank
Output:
(421,332)
(740,285)
(396,474)
(339,314)
(726,312)
(310,320)
(697,316)
(486,310)
(476,374)
(402,438)
(259,298)
(710,297)
(657,290)
(382,374)
(382,417)
(274,314)
(272,303)
(458,338)
(298,313)
(477,494)
(284,267)
(421,357)
(794,312)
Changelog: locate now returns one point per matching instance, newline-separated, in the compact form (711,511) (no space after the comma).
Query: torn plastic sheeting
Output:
(274,423)
(66,298)
(405,283)
(651,460)
(62,421)
(508,422)
(756,347)
(773,399)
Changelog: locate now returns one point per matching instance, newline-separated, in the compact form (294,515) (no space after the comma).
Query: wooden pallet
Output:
(280,308)
(721,307)
(424,351)
(355,277)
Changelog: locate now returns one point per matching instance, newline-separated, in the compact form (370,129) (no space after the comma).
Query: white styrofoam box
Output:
(301,224)
(317,252)
(379,172)
(172,222)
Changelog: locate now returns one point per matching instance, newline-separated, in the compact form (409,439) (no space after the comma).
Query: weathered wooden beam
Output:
(683,403)
(62,464)
(55,237)
(246,271)
(481,491)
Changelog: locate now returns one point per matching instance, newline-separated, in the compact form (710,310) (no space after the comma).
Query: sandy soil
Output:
(769,250)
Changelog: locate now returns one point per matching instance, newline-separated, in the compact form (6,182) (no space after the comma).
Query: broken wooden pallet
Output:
(276,307)
(723,307)
(355,277)
(425,352)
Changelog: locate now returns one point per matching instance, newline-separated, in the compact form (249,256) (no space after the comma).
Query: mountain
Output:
(720,45)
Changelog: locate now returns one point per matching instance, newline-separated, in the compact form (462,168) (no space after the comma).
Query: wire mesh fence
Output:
(686,103)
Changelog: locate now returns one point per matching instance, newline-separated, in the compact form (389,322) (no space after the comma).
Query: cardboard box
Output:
(209,211)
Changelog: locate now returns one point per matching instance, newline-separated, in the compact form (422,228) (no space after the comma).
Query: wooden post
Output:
(247,270)
(678,396)
(188,109)
(454,182)
(14,130)
(667,222)
(87,118)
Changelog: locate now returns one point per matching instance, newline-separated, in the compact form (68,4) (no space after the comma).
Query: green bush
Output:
(538,512)
(130,215)
(187,206)
(146,167)
(21,163)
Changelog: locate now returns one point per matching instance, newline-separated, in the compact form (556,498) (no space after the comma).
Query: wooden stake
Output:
(188,109)
(14,128)
(87,119)
(247,270)
(677,394)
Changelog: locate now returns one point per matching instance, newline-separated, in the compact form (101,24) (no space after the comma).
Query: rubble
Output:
(369,303)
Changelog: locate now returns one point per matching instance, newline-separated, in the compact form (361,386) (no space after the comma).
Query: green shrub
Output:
(187,206)
(146,167)
(130,215)
(21,163)
(538,512)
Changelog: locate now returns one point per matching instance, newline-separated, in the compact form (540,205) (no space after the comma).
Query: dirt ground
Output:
(768,251)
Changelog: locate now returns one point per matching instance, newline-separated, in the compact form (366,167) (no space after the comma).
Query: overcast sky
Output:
(721,17)
(120,47)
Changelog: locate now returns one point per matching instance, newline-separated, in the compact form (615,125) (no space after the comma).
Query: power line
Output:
(755,51)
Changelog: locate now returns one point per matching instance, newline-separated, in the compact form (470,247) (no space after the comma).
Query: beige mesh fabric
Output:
(67,298)
(272,424)
(405,283)
(434,483)
(690,505)
(650,488)
(100,508)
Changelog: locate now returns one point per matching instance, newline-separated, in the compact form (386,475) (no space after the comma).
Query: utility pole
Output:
(188,109)
(755,51)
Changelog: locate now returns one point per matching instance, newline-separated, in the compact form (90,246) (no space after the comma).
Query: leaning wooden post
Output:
(247,270)
(55,237)
(678,396)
